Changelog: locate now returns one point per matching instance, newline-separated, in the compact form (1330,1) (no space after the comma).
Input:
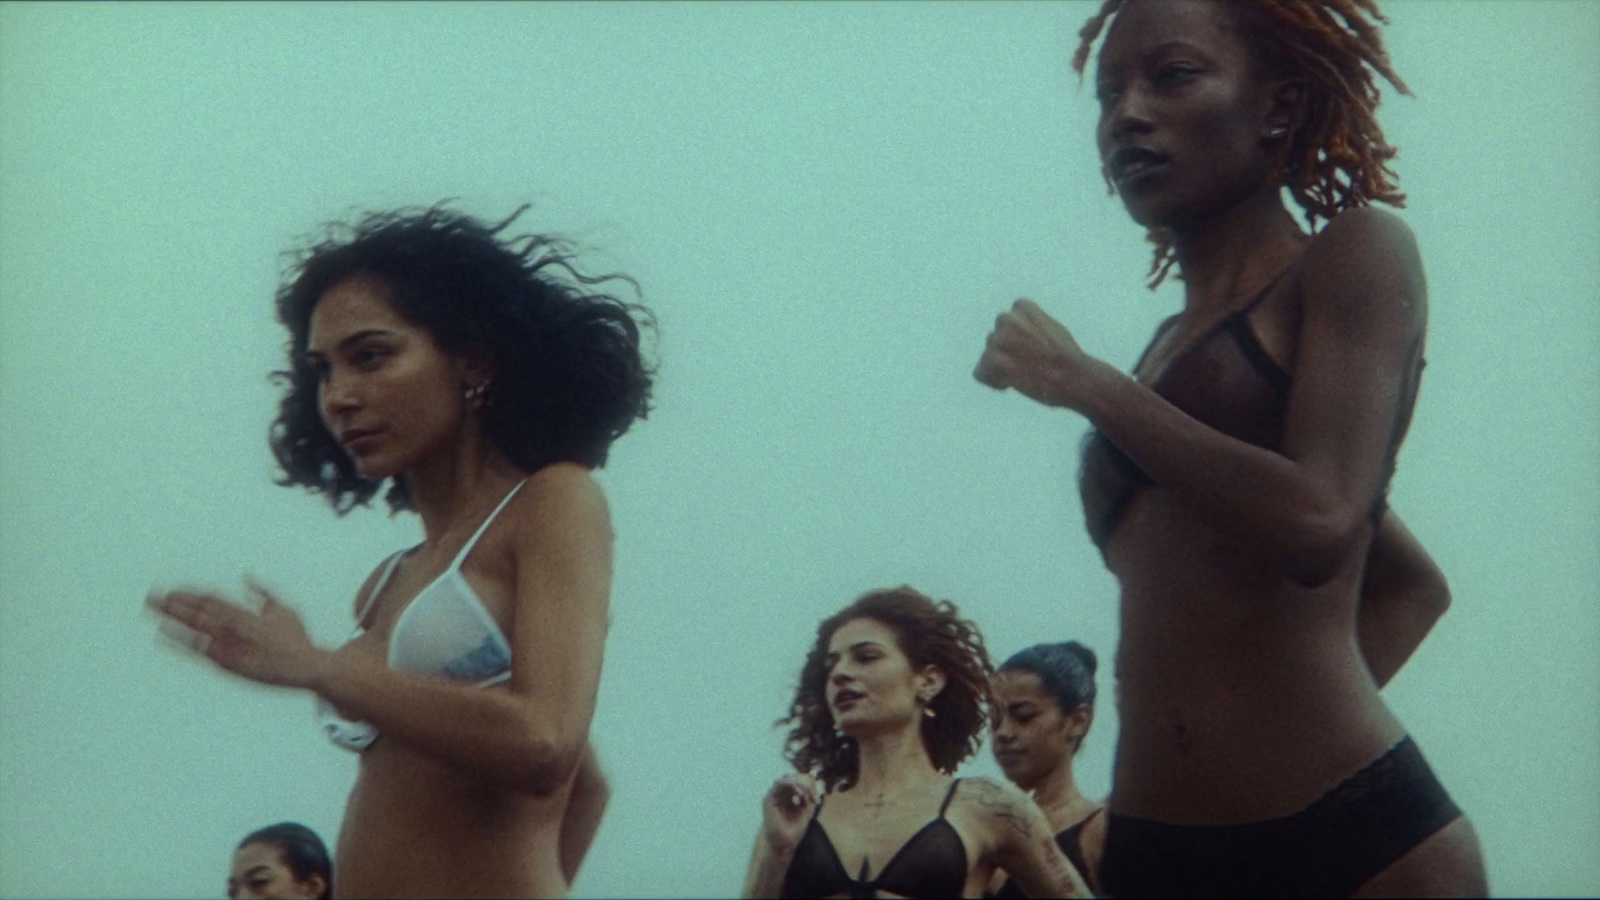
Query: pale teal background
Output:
(826,206)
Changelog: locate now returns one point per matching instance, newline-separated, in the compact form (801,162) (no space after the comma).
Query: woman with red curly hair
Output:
(893,697)
(1235,483)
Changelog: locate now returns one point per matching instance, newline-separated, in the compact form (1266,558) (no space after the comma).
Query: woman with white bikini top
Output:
(483,379)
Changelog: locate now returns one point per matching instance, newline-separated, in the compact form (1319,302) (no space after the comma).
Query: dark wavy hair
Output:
(1065,671)
(303,852)
(1336,158)
(929,633)
(568,374)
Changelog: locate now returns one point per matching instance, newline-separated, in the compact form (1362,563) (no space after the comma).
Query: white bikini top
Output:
(445,631)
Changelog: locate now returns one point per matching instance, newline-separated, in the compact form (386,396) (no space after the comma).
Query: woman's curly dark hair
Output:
(930,633)
(568,374)
(1337,157)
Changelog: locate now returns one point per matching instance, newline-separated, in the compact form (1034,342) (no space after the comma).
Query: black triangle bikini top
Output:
(933,863)
(1225,380)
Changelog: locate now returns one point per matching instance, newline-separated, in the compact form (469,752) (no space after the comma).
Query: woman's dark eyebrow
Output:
(364,333)
(233,883)
(1168,46)
(1109,68)
(853,647)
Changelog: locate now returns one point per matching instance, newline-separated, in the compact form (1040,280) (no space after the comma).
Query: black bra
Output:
(933,863)
(1232,385)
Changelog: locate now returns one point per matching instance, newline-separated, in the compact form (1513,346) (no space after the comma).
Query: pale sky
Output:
(826,206)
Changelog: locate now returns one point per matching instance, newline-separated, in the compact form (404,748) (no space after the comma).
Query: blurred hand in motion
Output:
(1035,354)
(269,645)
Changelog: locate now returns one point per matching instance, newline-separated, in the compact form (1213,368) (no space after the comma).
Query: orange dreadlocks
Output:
(1339,135)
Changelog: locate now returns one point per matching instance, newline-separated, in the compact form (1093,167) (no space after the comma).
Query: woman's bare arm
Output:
(533,735)
(1024,844)
(1364,306)
(1402,596)
(764,877)
(586,805)
(529,737)
(786,811)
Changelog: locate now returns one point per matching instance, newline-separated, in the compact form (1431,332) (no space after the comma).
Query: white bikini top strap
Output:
(460,557)
(388,570)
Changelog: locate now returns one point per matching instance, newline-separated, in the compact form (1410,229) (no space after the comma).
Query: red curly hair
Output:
(929,633)
(1337,158)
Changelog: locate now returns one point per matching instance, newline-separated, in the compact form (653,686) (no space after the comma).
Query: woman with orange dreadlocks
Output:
(1235,483)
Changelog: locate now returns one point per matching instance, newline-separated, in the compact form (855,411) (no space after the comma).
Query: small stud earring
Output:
(1277,132)
(474,395)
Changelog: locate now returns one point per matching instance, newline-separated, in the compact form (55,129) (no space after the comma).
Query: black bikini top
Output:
(1227,381)
(933,863)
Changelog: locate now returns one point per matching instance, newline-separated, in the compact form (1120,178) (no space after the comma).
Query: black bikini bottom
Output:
(1328,849)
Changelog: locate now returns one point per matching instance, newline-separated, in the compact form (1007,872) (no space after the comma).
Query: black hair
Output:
(303,852)
(1066,672)
(568,375)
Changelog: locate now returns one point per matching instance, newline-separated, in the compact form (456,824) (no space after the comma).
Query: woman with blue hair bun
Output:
(1044,706)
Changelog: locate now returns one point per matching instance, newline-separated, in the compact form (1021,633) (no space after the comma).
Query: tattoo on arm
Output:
(1031,855)
(1062,874)
(995,801)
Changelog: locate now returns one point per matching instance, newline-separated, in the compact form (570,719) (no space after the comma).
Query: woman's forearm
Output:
(586,806)
(492,733)
(1403,595)
(1027,848)
(1263,496)
(768,865)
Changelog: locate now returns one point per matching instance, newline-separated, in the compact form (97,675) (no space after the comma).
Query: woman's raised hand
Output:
(787,809)
(1035,354)
(268,645)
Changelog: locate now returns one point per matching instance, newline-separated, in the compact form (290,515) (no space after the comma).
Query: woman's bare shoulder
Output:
(1362,258)
(560,489)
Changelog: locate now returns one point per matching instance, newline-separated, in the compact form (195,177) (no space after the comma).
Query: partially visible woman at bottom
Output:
(286,861)
(1044,706)
(893,697)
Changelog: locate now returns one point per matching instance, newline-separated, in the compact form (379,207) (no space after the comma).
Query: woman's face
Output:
(388,393)
(1032,735)
(1183,115)
(259,871)
(871,682)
